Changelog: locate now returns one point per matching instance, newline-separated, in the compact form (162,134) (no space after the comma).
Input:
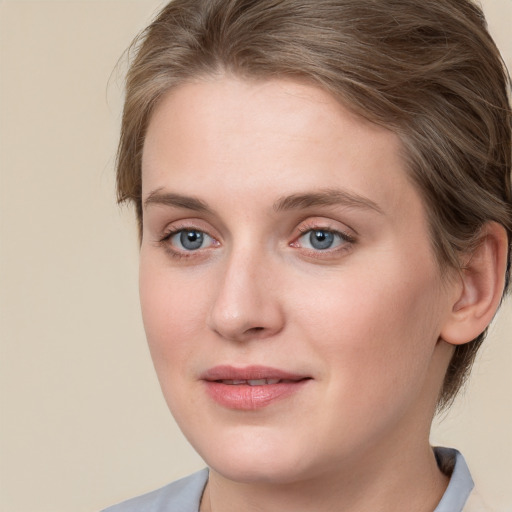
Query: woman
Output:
(325,211)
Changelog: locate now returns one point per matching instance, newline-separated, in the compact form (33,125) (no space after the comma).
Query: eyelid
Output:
(191,224)
(347,238)
(205,238)
(323,224)
(342,235)
(170,231)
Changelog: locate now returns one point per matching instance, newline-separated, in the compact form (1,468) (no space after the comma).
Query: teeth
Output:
(257,382)
(251,382)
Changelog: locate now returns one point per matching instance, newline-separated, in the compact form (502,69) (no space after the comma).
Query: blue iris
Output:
(321,240)
(191,240)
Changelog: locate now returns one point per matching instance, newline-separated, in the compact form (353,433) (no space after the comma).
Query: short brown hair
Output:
(427,70)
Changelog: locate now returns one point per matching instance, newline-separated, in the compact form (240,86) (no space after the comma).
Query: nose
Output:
(246,304)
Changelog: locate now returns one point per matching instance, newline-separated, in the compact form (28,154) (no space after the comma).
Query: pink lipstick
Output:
(251,387)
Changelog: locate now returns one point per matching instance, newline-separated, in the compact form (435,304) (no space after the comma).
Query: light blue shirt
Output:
(185,495)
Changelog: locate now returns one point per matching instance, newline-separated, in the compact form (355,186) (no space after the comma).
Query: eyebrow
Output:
(157,197)
(328,197)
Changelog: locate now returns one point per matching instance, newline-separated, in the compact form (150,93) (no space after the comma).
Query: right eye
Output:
(190,240)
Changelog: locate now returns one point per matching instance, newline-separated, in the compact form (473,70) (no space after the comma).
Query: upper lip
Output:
(226,372)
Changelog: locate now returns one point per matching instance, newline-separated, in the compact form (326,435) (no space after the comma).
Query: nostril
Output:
(254,331)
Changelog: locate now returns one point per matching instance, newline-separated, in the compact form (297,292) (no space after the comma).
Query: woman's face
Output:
(290,295)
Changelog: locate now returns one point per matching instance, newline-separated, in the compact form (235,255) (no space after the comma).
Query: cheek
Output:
(171,314)
(377,329)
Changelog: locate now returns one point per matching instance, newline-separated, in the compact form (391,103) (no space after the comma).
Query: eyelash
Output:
(179,254)
(348,240)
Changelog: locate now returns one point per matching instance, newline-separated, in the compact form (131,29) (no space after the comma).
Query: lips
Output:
(251,387)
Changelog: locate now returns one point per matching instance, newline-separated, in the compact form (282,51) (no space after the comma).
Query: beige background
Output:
(83,424)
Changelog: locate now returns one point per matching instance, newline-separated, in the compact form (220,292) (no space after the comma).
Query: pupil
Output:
(321,239)
(191,239)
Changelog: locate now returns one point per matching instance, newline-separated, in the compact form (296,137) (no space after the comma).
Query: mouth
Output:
(252,387)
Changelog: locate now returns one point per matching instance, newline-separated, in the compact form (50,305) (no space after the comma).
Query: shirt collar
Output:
(461,484)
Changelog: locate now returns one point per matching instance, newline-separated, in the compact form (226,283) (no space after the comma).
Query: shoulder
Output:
(181,496)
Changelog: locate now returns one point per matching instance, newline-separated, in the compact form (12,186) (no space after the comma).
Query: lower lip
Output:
(248,398)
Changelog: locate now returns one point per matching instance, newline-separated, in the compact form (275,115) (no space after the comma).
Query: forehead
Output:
(276,136)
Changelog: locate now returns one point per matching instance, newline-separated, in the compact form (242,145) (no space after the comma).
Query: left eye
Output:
(321,239)
(190,240)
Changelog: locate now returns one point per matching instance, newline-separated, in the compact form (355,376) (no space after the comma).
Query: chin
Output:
(252,454)
(272,471)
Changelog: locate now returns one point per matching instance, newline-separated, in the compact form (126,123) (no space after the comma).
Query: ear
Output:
(480,289)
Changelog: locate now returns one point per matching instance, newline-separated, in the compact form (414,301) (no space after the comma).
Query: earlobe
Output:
(481,287)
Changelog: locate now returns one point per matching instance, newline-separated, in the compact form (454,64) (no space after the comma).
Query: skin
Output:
(363,319)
